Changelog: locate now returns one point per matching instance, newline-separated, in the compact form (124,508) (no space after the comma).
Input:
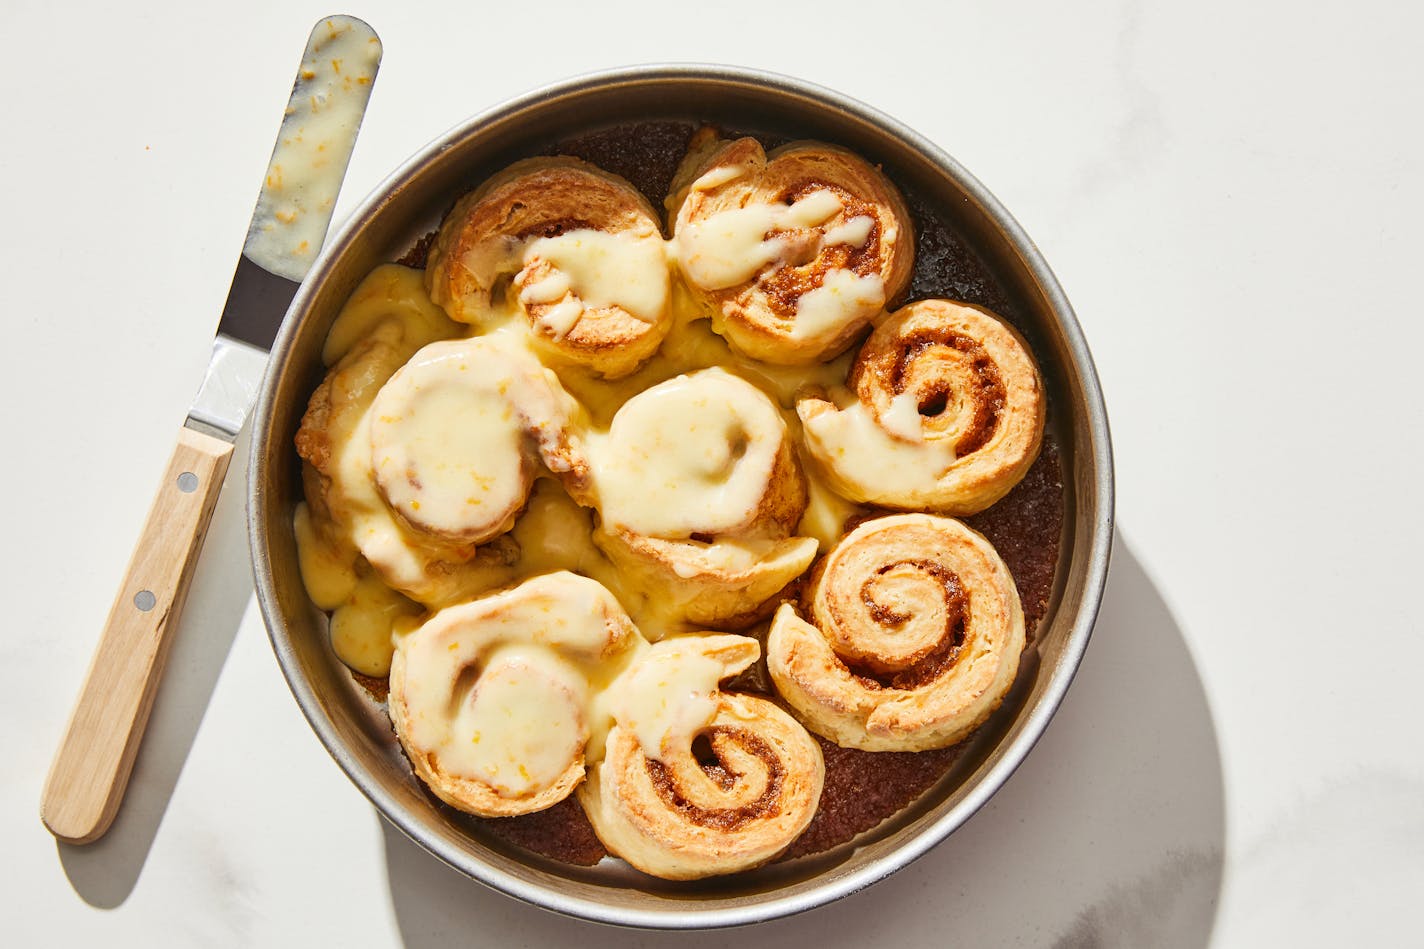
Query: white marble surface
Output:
(1230,193)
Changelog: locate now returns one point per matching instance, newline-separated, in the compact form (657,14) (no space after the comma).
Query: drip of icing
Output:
(730,247)
(826,513)
(363,626)
(388,292)
(863,451)
(562,317)
(902,418)
(854,232)
(818,207)
(550,288)
(328,575)
(597,269)
(668,696)
(841,297)
(717,177)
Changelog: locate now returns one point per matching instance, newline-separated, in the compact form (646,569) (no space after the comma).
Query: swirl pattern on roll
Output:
(490,698)
(576,251)
(724,792)
(698,492)
(916,638)
(792,253)
(948,414)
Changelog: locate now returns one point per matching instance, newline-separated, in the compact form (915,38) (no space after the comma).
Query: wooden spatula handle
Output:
(91,769)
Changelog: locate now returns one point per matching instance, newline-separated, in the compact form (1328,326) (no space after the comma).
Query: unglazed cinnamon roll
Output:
(792,253)
(585,254)
(917,636)
(948,416)
(695,781)
(490,699)
(698,492)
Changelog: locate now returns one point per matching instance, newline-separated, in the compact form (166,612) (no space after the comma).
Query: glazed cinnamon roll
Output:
(695,781)
(575,251)
(948,415)
(455,433)
(347,508)
(698,492)
(792,253)
(490,699)
(917,636)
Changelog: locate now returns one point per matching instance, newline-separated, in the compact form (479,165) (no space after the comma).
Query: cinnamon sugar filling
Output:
(986,387)
(933,661)
(723,818)
(785,286)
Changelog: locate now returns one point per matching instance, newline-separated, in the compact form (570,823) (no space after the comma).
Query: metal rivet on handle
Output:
(144,600)
(187,482)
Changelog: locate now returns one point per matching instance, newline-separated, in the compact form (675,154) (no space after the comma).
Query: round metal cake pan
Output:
(408,205)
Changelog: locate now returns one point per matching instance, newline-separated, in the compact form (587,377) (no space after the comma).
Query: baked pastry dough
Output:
(455,433)
(917,636)
(719,584)
(698,492)
(490,699)
(575,251)
(715,784)
(948,415)
(792,253)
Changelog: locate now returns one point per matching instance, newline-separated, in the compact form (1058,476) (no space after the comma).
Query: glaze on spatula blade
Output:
(292,216)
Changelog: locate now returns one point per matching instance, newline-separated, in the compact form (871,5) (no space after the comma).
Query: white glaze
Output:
(668,696)
(328,576)
(902,418)
(842,298)
(626,269)
(729,248)
(524,720)
(693,454)
(854,232)
(732,246)
(447,446)
(719,176)
(858,450)
(363,626)
(818,207)
(314,147)
(578,270)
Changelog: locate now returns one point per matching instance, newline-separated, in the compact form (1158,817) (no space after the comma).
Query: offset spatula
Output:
(91,770)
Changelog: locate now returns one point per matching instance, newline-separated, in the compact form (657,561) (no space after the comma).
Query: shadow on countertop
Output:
(103,873)
(1110,834)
